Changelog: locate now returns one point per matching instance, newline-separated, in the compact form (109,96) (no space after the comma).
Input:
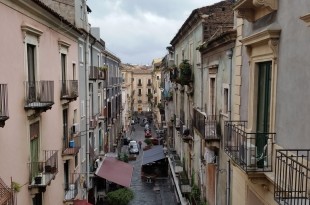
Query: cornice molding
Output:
(306,19)
(268,37)
(30,30)
(246,8)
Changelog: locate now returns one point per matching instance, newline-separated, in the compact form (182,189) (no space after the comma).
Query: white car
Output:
(132,142)
(133,149)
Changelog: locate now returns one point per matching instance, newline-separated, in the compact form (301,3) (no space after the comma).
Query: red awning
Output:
(115,171)
(81,202)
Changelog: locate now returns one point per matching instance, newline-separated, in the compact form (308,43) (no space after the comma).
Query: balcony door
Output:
(31,50)
(64,73)
(34,147)
(263,108)
(65,125)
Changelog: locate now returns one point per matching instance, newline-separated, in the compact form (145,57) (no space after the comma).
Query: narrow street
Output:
(160,192)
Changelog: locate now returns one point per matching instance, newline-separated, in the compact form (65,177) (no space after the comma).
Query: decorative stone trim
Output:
(246,9)
(213,69)
(63,45)
(270,37)
(306,19)
(30,30)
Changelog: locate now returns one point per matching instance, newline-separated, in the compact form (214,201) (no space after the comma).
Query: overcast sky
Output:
(137,31)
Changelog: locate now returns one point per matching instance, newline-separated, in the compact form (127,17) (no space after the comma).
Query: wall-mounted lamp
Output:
(229,53)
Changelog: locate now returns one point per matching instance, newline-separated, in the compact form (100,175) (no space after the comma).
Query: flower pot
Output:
(38,180)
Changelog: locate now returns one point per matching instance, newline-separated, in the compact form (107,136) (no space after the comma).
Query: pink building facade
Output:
(39,145)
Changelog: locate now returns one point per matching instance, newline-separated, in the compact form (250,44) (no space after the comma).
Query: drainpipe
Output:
(228,183)
(87,117)
(229,53)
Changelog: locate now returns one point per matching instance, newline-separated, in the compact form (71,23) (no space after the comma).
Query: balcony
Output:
(42,173)
(102,74)
(69,90)
(139,101)
(6,194)
(211,128)
(149,84)
(139,84)
(72,187)
(39,95)
(103,114)
(251,151)
(292,176)
(4,112)
(184,183)
(93,73)
(71,146)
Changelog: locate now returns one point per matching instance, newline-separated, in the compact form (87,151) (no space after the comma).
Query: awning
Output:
(154,154)
(115,171)
(81,202)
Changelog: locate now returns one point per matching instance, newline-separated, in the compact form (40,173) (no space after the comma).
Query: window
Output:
(139,92)
(81,54)
(63,67)
(74,71)
(149,91)
(76,160)
(212,96)
(225,108)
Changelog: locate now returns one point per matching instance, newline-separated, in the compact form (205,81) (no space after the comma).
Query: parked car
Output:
(133,149)
(148,134)
(132,142)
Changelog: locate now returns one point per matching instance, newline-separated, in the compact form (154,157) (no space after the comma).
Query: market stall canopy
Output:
(115,171)
(154,154)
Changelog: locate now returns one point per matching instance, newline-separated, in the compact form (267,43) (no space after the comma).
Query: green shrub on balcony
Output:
(120,197)
(185,76)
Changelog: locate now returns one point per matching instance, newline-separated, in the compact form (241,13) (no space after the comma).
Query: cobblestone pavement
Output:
(158,193)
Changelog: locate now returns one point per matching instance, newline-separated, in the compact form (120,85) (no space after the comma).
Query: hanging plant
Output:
(103,68)
(16,186)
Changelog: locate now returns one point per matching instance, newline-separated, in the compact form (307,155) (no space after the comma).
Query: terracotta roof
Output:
(215,16)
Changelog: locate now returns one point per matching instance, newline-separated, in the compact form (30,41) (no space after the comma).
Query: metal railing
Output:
(199,122)
(252,151)
(93,73)
(6,194)
(292,176)
(39,94)
(71,145)
(69,89)
(139,84)
(42,172)
(4,111)
(72,187)
(211,128)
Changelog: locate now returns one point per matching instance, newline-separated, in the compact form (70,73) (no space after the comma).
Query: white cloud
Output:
(138,31)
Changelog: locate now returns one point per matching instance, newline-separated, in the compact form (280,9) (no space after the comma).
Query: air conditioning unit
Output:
(75,128)
(248,154)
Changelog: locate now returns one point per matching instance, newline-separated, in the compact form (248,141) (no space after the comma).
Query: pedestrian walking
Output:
(140,144)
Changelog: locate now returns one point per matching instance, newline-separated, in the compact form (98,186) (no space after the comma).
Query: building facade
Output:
(42,97)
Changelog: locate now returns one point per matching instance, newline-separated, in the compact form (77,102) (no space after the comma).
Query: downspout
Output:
(229,54)
(87,117)
(228,184)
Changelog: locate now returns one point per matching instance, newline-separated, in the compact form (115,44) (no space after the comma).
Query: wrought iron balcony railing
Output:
(211,128)
(199,121)
(292,176)
(102,74)
(6,194)
(149,84)
(251,151)
(4,112)
(41,173)
(71,145)
(72,187)
(93,73)
(39,95)
(69,90)
(139,84)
